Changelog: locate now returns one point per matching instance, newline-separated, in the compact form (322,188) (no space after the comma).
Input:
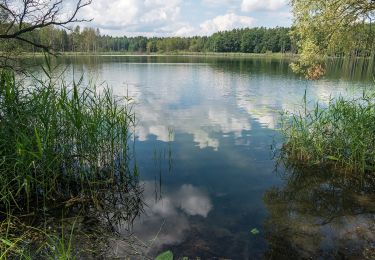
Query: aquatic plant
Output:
(340,134)
(315,205)
(167,255)
(65,145)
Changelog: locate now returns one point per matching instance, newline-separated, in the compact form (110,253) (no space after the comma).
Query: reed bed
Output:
(341,134)
(65,145)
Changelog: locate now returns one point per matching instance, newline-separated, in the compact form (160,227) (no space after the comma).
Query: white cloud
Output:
(180,18)
(255,5)
(225,22)
(219,23)
(133,15)
(186,30)
(219,2)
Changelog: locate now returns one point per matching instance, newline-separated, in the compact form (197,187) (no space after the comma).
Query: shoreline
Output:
(171,54)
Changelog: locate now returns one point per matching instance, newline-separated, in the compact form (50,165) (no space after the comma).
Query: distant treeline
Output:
(249,40)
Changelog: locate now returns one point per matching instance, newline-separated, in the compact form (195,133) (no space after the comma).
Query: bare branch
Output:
(24,16)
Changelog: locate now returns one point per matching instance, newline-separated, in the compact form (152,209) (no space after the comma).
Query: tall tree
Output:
(331,27)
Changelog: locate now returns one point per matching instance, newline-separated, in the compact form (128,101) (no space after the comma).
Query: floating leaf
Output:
(167,255)
(254,231)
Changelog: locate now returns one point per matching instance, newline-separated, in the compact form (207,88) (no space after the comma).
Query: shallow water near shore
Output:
(205,142)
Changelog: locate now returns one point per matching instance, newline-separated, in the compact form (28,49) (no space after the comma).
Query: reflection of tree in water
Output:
(319,213)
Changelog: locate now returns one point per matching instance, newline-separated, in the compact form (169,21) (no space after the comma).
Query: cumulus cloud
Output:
(225,22)
(180,18)
(255,5)
(134,15)
(186,30)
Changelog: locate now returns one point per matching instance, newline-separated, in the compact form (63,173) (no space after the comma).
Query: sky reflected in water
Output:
(205,132)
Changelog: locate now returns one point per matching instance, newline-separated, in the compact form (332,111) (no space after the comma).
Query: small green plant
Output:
(21,241)
(340,134)
(61,246)
(167,255)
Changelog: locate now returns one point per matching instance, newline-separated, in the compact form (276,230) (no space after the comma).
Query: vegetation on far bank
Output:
(173,53)
(248,40)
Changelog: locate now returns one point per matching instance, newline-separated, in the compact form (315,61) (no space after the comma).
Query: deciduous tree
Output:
(331,27)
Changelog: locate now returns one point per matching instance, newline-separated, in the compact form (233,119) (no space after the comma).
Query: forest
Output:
(248,40)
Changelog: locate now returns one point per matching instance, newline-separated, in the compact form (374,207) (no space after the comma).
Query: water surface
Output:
(206,131)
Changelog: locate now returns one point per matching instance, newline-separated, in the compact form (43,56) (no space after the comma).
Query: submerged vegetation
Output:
(64,147)
(327,162)
(316,206)
(340,134)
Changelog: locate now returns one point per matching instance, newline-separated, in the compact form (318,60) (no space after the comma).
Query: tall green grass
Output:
(65,145)
(341,134)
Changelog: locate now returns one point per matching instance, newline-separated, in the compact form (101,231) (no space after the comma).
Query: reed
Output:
(341,134)
(65,145)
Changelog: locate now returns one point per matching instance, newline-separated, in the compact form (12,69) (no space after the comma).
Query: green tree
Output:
(330,27)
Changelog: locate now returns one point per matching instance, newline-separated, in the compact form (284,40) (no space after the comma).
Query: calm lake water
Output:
(206,133)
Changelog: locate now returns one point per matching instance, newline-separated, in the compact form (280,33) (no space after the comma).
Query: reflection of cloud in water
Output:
(197,99)
(193,201)
(170,214)
(200,120)
(203,140)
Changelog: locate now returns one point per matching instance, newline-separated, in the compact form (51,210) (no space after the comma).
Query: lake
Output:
(206,138)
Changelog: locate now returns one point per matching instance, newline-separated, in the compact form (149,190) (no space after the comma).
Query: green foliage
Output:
(249,40)
(61,246)
(310,60)
(167,255)
(341,134)
(65,145)
(20,241)
(331,28)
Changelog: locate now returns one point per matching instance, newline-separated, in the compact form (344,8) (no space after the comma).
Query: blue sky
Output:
(184,18)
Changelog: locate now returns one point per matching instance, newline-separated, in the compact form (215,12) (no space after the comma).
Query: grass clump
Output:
(64,145)
(341,134)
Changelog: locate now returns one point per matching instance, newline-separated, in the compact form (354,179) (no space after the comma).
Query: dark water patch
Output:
(321,214)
